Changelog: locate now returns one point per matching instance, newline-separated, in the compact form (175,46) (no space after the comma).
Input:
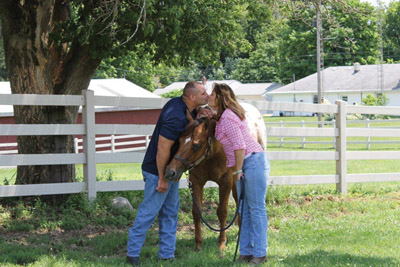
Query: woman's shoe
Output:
(245,258)
(258,260)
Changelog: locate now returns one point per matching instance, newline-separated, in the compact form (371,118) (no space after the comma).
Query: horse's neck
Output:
(216,149)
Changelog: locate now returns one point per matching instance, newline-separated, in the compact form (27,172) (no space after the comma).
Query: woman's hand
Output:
(239,174)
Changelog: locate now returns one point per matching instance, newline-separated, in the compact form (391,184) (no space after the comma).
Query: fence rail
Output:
(88,129)
(358,132)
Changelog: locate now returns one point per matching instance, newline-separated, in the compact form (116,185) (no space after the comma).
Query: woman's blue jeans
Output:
(254,225)
(166,206)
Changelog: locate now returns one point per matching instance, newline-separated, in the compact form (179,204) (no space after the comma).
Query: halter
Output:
(191,166)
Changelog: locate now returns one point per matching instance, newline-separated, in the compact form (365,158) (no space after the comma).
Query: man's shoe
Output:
(258,260)
(168,259)
(134,261)
(245,258)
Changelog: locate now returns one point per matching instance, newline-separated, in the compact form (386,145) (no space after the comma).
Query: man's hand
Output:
(205,112)
(162,185)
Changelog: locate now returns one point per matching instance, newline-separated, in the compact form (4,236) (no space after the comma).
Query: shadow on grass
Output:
(325,258)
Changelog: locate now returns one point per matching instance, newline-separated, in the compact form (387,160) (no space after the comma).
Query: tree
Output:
(3,70)
(55,47)
(135,66)
(349,35)
(391,32)
(263,61)
(372,100)
(173,93)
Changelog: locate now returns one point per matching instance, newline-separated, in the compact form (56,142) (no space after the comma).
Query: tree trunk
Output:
(46,144)
(37,66)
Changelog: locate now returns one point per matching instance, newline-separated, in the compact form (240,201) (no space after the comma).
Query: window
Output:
(315,99)
(345,98)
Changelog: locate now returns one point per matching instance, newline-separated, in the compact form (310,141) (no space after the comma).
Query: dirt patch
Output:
(58,236)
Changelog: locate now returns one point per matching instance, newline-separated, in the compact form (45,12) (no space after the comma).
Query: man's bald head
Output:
(194,95)
(192,88)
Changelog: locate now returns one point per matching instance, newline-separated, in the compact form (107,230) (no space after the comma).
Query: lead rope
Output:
(241,197)
(202,218)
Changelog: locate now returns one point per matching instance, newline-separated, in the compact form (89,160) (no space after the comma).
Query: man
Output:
(161,197)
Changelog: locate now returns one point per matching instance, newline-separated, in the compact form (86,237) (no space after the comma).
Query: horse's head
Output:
(194,146)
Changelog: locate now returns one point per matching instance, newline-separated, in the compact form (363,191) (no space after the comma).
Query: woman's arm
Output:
(239,156)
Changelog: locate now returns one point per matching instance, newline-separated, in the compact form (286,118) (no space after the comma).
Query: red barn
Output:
(104,115)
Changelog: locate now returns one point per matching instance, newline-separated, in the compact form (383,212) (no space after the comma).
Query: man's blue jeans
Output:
(254,225)
(166,206)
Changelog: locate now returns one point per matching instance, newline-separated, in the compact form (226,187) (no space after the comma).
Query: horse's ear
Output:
(189,116)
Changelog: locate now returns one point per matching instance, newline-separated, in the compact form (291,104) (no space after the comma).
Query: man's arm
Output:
(163,153)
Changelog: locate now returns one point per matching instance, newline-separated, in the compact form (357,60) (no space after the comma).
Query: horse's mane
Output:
(190,127)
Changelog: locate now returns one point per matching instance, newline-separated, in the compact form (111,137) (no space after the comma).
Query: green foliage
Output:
(136,67)
(391,32)
(166,74)
(173,93)
(371,100)
(162,30)
(262,63)
(349,32)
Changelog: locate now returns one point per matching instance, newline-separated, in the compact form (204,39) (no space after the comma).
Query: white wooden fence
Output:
(103,144)
(302,140)
(89,129)
(110,143)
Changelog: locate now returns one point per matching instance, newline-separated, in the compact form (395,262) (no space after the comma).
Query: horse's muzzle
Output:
(172,175)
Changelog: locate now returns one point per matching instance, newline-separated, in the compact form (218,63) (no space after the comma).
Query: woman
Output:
(249,162)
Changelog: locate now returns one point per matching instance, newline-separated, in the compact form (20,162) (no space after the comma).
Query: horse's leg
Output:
(222,212)
(198,196)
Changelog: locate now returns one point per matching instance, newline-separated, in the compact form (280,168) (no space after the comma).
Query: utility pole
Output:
(319,78)
(380,59)
(294,88)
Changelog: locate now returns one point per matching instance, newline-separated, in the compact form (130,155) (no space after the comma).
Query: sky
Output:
(373,2)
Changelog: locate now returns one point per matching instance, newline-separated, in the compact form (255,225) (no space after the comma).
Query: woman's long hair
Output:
(225,98)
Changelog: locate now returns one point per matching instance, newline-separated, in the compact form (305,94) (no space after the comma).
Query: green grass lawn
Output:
(132,171)
(308,226)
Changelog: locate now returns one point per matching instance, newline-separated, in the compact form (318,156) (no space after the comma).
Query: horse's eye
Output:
(195,147)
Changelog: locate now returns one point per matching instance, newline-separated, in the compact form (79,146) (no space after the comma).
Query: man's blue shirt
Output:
(170,124)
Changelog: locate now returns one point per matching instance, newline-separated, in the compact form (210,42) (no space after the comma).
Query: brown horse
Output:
(203,155)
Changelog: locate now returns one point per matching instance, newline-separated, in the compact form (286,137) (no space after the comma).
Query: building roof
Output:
(238,87)
(100,87)
(346,79)
(118,87)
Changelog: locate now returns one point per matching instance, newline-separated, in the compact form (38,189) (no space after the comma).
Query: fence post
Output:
(89,144)
(112,143)
(304,138)
(281,139)
(334,138)
(341,147)
(76,147)
(368,138)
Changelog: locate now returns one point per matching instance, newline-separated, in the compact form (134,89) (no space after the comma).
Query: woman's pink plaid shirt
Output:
(234,134)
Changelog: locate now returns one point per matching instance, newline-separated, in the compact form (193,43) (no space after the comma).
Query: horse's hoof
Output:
(222,247)
(197,249)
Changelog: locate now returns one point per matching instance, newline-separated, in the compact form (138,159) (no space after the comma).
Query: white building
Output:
(248,91)
(348,83)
